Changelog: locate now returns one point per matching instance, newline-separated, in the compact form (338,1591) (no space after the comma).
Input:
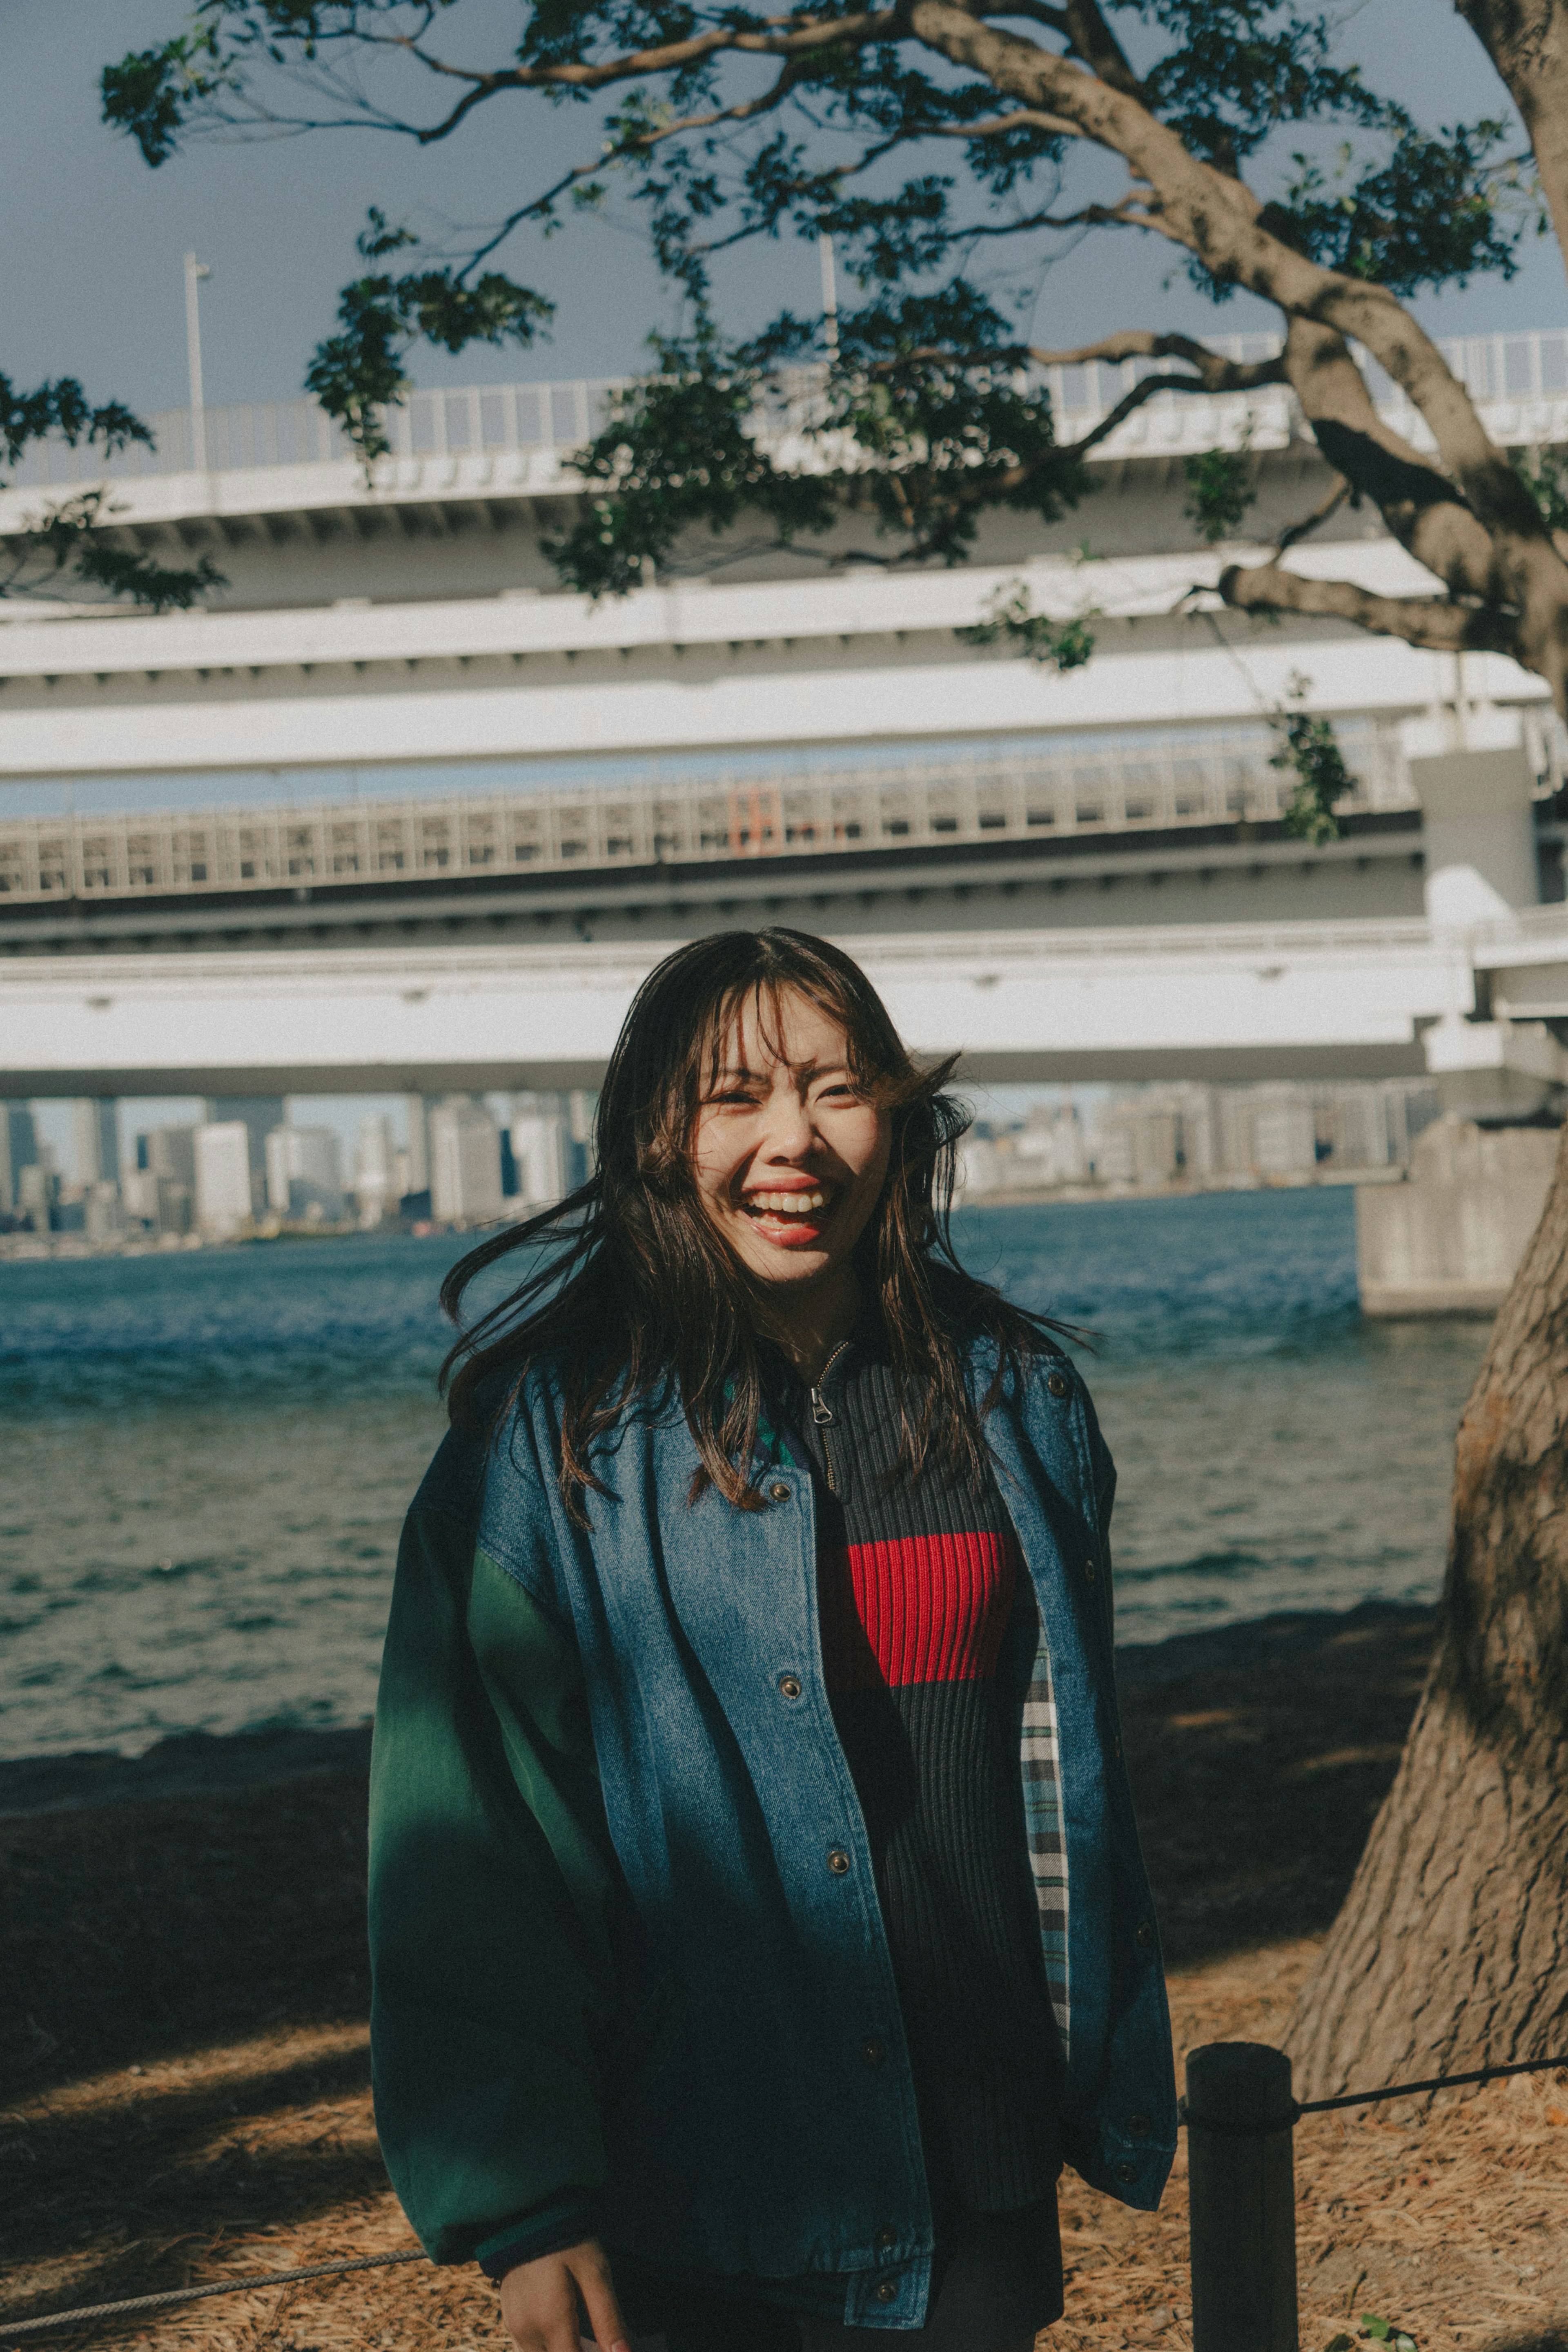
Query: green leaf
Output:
(1310,748)
(1220,488)
(1376,2326)
(358,372)
(65,545)
(1011,620)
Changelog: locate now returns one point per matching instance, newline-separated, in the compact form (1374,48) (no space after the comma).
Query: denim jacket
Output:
(627,1948)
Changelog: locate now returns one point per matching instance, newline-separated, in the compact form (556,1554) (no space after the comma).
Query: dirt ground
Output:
(182,1992)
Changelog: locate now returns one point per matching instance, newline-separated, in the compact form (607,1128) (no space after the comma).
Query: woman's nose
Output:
(789,1130)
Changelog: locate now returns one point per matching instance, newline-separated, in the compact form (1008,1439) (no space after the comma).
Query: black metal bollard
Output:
(1242,2186)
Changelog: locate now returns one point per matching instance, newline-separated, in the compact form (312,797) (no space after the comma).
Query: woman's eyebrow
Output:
(802,1069)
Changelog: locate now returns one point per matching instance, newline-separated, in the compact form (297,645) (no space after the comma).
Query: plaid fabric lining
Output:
(1039,1762)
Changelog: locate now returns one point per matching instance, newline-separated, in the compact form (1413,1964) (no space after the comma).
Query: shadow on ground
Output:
(152,1935)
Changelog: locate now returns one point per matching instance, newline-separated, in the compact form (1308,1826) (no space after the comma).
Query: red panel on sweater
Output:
(915,1608)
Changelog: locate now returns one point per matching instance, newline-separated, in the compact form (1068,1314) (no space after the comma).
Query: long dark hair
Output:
(643,1300)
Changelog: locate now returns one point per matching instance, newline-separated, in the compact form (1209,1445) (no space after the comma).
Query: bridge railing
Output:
(1165,784)
(477,420)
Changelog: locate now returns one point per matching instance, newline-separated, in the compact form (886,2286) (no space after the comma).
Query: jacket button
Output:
(1125,2172)
(1145,1938)
(886,2292)
(1057,1386)
(790,1686)
(779,1491)
(886,2241)
(874,2049)
(1137,2126)
(838,1862)
(1090,1571)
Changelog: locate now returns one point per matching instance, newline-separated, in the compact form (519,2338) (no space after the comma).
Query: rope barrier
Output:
(1291,2115)
(11,2329)
(1433,2083)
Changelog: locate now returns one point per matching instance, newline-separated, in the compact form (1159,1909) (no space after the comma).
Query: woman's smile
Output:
(791,1216)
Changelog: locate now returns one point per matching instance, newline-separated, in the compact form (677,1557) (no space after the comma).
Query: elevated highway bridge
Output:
(395,813)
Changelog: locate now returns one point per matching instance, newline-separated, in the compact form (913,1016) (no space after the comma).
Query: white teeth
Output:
(786,1203)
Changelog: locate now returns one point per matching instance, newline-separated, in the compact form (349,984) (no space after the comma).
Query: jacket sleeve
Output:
(492,1890)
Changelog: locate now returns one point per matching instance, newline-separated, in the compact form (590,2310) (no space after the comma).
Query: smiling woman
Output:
(758,1918)
(790,1157)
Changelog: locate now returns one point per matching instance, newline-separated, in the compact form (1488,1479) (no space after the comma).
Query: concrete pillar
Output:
(1478,828)
(1449,1241)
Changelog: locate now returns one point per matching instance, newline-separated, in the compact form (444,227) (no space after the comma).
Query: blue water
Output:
(207,1455)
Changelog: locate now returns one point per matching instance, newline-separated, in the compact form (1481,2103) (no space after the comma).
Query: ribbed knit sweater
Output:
(928,1626)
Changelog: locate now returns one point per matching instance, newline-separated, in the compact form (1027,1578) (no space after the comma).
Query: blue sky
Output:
(90,279)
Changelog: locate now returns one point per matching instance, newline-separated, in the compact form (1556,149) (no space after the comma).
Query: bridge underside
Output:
(1307,1001)
(1024,1066)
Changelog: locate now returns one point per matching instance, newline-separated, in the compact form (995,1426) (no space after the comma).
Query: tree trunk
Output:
(1452,1949)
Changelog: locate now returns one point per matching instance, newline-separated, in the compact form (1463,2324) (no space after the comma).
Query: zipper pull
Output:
(822,1414)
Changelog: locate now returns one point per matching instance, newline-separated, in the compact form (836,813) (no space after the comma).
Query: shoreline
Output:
(211,1764)
(44,1249)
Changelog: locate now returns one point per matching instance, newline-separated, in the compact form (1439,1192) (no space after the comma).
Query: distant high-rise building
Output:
(1051,1146)
(37,1190)
(102,1215)
(465,1162)
(95,1131)
(376,1186)
(158,1202)
(1284,1137)
(170,1151)
(417,1112)
(547,1156)
(18,1148)
(224,1194)
(305,1172)
(258,1114)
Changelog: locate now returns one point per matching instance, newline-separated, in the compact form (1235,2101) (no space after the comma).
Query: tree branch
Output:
(1295,532)
(1144,390)
(1214,373)
(1024,118)
(1216,216)
(1434,622)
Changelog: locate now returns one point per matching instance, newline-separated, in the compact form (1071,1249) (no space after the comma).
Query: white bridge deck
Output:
(1309,1000)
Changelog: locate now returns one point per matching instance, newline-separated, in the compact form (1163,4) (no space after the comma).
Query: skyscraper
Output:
(224,1196)
(375,1177)
(18,1148)
(95,1129)
(305,1171)
(418,1114)
(258,1114)
(465,1162)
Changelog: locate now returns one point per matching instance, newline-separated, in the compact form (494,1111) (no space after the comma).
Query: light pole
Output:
(195,272)
(830,293)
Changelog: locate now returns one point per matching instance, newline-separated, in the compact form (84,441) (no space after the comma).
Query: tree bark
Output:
(1527,41)
(1451,1950)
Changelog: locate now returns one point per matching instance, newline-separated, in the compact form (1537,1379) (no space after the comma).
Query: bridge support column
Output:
(1478,828)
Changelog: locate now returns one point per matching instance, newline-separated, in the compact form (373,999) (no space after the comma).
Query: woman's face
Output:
(788,1158)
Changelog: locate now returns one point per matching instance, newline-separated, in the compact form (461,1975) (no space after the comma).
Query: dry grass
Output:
(182,2004)
(1448,2220)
